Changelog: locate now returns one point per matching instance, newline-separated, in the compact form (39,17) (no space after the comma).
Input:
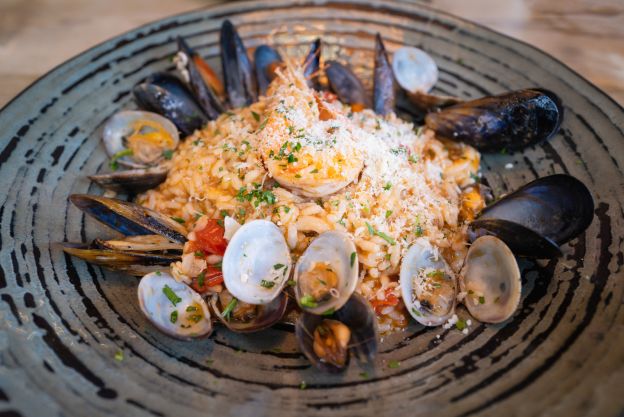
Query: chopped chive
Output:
(387,186)
(267,284)
(385,237)
(200,279)
(278,266)
(174,316)
(329,312)
(199,254)
(190,309)
(308,301)
(286,209)
(263,124)
(291,282)
(388,213)
(481,300)
(167,154)
(171,295)
(353,255)
(364,375)
(303,385)
(314,171)
(436,273)
(256,116)
(113,162)
(371,231)
(418,314)
(228,309)
(179,220)
(119,356)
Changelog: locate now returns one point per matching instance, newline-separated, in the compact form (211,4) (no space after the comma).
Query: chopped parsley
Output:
(387,186)
(179,220)
(329,312)
(267,284)
(199,254)
(482,300)
(263,124)
(190,309)
(388,213)
(174,316)
(412,159)
(353,255)
(171,295)
(167,154)
(393,364)
(364,375)
(256,116)
(119,356)
(200,279)
(278,266)
(416,312)
(461,324)
(291,282)
(308,301)
(303,385)
(256,196)
(437,273)
(314,171)
(114,165)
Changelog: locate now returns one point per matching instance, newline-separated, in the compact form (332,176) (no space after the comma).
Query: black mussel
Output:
(312,65)
(202,80)
(131,262)
(510,121)
(242,317)
(240,80)
(167,95)
(558,207)
(521,240)
(329,340)
(132,180)
(267,60)
(140,243)
(383,80)
(346,85)
(128,218)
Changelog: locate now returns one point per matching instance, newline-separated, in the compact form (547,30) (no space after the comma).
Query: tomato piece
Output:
(389,300)
(210,239)
(209,277)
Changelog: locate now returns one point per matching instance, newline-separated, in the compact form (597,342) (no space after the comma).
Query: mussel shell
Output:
(521,240)
(358,316)
(510,121)
(558,207)
(346,85)
(166,95)
(240,81)
(312,65)
(131,262)
(266,58)
(270,314)
(383,80)
(128,218)
(206,97)
(141,243)
(132,180)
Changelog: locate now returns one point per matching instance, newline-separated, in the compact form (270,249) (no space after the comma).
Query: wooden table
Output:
(35,36)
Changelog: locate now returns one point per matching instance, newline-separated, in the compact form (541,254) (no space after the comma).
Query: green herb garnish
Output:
(228,309)
(167,154)
(171,295)
(179,220)
(393,364)
(267,284)
(114,165)
(308,301)
(174,316)
(461,324)
(353,255)
(119,356)
(256,116)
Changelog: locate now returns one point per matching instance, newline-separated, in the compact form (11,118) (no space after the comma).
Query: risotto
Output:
(257,162)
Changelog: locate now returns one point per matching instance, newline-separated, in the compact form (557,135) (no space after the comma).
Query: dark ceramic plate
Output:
(63,321)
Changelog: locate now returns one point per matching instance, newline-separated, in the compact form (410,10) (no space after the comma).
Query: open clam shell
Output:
(256,263)
(326,274)
(428,286)
(173,307)
(490,280)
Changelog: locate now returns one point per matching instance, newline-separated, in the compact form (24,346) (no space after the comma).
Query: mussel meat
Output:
(328,341)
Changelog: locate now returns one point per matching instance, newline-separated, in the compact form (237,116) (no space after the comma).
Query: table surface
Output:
(35,36)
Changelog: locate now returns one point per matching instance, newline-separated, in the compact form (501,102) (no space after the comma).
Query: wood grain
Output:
(36,35)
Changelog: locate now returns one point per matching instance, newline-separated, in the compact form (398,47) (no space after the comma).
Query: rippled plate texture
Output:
(63,320)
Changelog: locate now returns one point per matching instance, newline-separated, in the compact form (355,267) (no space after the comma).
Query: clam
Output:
(139,139)
(510,121)
(202,80)
(383,80)
(346,85)
(242,317)
(328,341)
(535,219)
(428,285)
(326,274)
(173,307)
(256,263)
(166,95)
(490,280)
(238,72)
(266,60)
